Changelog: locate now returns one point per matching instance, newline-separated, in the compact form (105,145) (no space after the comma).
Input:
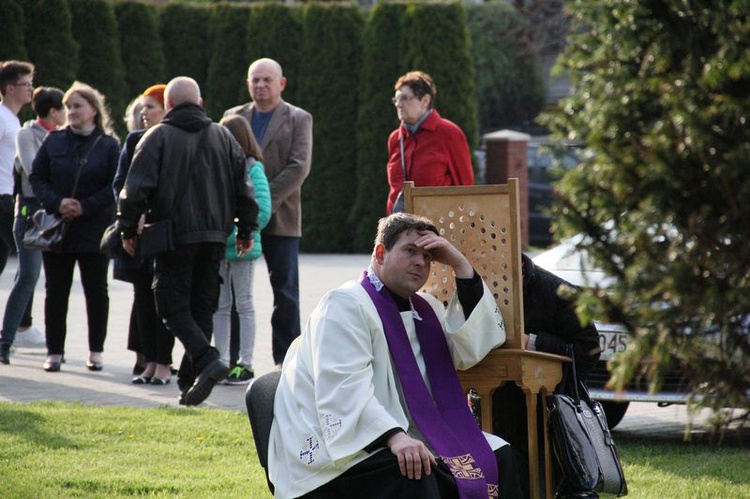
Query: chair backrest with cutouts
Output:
(483,221)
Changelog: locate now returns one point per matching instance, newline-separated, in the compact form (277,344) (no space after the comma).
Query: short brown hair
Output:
(420,83)
(240,129)
(391,227)
(45,99)
(11,71)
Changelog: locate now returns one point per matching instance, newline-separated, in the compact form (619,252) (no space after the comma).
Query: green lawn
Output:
(70,450)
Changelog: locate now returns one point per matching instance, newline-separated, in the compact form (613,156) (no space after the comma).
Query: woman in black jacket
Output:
(72,175)
(147,334)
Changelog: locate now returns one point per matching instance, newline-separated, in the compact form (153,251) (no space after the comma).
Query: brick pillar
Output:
(506,157)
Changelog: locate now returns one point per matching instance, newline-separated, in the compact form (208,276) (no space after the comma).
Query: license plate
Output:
(612,343)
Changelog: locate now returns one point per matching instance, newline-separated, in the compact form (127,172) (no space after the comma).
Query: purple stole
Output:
(443,417)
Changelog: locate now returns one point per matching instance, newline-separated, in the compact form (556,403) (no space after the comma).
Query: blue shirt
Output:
(260,123)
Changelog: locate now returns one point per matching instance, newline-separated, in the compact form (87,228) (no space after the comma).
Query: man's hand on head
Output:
(444,252)
(413,455)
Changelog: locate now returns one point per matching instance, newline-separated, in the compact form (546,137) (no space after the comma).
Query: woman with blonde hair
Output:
(72,175)
(133,117)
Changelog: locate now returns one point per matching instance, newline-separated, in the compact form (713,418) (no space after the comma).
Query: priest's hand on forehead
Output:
(444,252)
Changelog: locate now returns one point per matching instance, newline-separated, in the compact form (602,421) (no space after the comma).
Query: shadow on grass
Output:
(17,421)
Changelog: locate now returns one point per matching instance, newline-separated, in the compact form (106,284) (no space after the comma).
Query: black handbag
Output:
(47,231)
(111,243)
(157,238)
(581,439)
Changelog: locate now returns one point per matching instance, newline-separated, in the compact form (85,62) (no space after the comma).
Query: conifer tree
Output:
(100,64)
(331,50)
(510,90)
(55,57)
(11,26)
(275,31)
(186,39)
(140,46)
(436,41)
(226,70)
(382,64)
(661,92)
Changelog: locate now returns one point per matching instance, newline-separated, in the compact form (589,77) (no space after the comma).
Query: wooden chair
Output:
(483,222)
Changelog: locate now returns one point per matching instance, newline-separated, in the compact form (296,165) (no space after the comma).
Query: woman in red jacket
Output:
(426,149)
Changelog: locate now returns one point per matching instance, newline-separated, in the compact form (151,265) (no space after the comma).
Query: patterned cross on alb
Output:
(309,453)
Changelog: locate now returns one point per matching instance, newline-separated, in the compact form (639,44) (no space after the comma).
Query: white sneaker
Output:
(31,338)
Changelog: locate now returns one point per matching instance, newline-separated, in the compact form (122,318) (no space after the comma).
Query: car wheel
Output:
(614,411)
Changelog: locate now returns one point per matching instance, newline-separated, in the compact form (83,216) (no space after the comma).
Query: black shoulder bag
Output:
(581,438)
(47,231)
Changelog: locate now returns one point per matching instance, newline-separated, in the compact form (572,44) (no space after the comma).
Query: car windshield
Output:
(545,157)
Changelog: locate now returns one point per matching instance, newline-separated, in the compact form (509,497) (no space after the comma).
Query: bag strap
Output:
(82,163)
(401,143)
(570,383)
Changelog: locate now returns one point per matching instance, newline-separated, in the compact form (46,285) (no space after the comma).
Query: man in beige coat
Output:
(284,133)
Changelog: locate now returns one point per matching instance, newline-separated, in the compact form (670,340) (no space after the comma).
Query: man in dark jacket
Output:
(550,321)
(190,171)
(550,324)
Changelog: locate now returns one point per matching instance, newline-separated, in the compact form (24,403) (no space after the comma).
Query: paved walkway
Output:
(25,381)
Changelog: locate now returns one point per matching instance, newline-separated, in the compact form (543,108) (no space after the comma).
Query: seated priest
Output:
(369,404)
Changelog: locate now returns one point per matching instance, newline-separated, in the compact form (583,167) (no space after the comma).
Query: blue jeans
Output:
(19,299)
(281,254)
(186,290)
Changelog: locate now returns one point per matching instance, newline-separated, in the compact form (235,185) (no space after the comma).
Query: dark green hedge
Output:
(99,61)
(185,34)
(49,42)
(382,64)
(437,41)
(227,68)
(340,64)
(275,31)
(331,55)
(140,46)
(510,89)
(12,45)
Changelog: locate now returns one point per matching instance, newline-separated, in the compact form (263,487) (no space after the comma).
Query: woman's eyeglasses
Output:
(403,99)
